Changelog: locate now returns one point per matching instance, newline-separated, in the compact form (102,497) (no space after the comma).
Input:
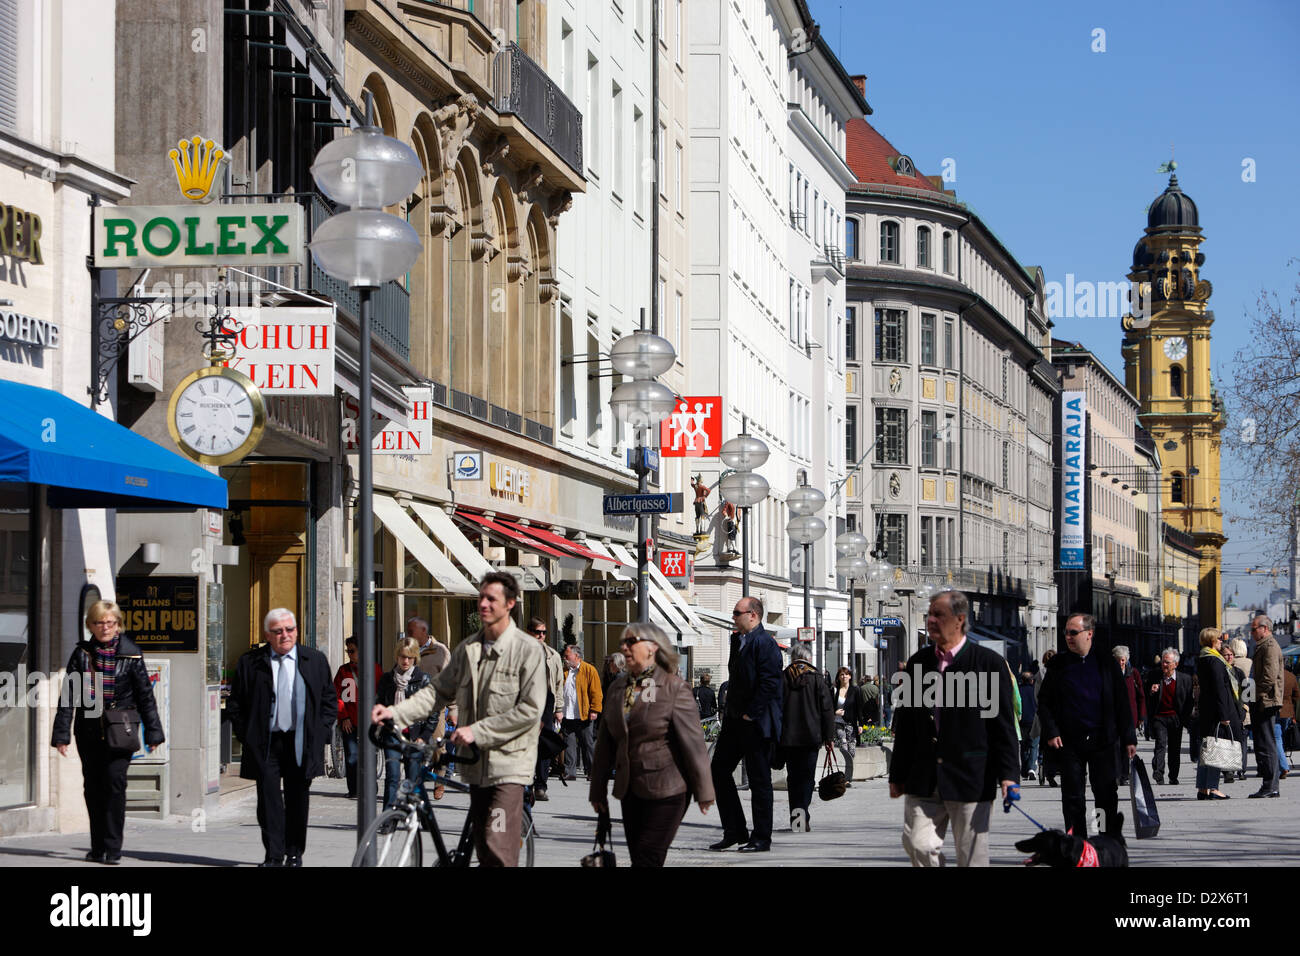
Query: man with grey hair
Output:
(950,758)
(1169,710)
(282,707)
(434,655)
(1137,703)
(1266,671)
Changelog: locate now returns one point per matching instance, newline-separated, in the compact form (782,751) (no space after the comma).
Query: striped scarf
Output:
(104,661)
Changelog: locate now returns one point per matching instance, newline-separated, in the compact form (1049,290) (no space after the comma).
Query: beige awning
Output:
(445,531)
(405,530)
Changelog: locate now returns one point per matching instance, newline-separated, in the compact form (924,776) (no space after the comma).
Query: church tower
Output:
(1167,366)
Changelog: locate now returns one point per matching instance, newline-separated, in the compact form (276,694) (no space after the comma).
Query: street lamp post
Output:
(742,487)
(805,528)
(364,247)
(880,587)
(850,563)
(642,403)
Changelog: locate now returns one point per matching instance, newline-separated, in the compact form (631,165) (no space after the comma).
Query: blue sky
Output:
(1056,146)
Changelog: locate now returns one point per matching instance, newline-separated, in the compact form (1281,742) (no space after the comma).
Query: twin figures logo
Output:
(693,429)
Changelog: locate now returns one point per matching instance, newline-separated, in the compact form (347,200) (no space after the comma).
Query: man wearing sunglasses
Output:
(1083,710)
(751,723)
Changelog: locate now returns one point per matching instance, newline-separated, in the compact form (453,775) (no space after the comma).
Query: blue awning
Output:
(89,461)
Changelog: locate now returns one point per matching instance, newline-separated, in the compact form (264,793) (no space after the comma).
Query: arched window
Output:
(947,252)
(1176,488)
(1176,381)
(923,247)
(889,242)
(851,238)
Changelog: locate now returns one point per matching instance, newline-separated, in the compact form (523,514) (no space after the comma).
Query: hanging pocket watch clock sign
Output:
(216,414)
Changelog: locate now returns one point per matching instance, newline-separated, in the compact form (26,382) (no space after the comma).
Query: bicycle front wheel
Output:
(394,840)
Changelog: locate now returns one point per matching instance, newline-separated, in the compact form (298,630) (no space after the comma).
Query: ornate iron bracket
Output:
(220,346)
(118,322)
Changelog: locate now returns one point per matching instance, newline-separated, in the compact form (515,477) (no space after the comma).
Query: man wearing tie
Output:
(282,708)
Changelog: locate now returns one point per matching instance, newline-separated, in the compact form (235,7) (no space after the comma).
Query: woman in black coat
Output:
(1217,709)
(848,718)
(807,725)
(405,679)
(108,682)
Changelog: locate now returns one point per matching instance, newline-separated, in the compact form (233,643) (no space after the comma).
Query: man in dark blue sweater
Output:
(1082,710)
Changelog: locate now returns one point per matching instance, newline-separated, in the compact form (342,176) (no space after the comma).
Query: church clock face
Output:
(1176,347)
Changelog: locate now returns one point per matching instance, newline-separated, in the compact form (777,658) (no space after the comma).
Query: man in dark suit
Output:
(954,738)
(751,723)
(282,707)
(1083,711)
(1169,710)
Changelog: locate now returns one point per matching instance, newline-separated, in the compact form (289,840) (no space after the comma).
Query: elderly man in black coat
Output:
(1169,711)
(282,707)
(1083,710)
(954,738)
(751,724)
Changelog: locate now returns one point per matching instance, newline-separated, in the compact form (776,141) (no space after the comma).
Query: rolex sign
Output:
(244,234)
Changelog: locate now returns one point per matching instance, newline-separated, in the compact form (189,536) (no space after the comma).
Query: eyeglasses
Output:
(351,651)
(629,641)
(538,630)
(103,620)
(739,613)
(277,631)
(1070,633)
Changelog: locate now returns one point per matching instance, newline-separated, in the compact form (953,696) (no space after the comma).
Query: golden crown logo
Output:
(196,162)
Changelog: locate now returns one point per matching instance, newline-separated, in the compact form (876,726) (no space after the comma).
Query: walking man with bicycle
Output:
(497,678)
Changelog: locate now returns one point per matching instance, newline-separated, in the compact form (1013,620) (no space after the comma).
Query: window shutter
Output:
(9,64)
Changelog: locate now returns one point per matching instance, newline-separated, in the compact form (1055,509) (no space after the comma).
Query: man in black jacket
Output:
(1083,710)
(705,699)
(954,738)
(751,723)
(282,708)
(1169,711)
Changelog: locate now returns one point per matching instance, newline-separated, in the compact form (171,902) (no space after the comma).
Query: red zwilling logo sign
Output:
(672,564)
(694,429)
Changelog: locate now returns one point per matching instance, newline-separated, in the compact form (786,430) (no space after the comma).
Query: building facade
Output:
(949,404)
(768,107)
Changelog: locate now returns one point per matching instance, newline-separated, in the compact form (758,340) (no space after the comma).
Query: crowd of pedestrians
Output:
(635,723)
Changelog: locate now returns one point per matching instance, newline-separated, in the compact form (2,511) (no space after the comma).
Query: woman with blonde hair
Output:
(403,681)
(651,736)
(115,703)
(1217,708)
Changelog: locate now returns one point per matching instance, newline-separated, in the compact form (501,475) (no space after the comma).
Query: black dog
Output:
(1066,851)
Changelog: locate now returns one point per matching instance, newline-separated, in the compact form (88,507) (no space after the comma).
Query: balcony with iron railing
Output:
(522,88)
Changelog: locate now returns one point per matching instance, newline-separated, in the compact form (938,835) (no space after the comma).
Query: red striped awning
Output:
(513,534)
(599,561)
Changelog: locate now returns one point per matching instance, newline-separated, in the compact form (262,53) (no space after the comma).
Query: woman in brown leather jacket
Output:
(651,735)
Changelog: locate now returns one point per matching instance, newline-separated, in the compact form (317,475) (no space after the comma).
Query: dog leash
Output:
(1012,800)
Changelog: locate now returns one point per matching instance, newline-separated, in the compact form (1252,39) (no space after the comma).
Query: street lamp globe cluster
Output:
(742,486)
(365,247)
(642,403)
(805,528)
(851,563)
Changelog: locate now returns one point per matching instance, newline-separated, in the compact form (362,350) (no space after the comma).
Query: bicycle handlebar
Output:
(386,735)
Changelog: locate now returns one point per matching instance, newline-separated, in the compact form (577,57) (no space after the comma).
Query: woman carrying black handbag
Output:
(112,700)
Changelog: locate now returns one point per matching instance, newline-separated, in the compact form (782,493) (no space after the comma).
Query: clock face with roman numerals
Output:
(216,415)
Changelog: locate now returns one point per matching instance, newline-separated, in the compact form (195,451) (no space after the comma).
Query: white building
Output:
(950,389)
(768,109)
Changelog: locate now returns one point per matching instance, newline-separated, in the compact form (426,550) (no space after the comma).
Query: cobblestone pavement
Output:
(862,828)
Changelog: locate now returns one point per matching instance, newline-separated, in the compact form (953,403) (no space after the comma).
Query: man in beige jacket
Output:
(498,680)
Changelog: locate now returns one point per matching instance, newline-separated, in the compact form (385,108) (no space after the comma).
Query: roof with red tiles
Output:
(874,159)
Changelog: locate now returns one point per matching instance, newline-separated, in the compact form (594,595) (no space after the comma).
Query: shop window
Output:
(16,599)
